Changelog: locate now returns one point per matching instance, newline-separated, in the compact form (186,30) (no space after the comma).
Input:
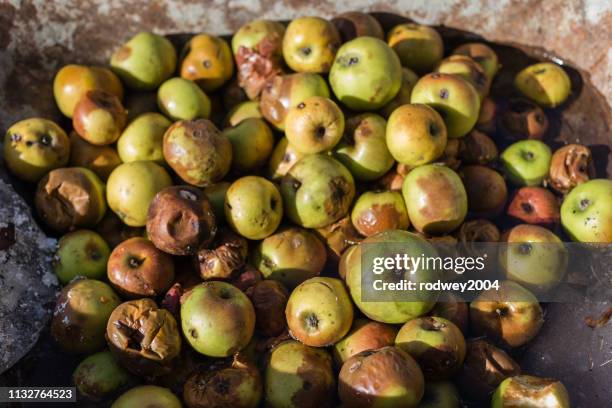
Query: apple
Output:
(530,391)
(365,334)
(586,212)
(526,162)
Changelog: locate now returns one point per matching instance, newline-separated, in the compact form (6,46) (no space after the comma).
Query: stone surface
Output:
(27,284)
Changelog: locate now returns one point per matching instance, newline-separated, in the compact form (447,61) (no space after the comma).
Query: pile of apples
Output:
(212,217)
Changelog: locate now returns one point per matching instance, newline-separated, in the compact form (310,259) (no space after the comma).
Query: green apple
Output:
(455,99)
(586,212)
(81,253)
(143,139)
(252,143)
(545,83)
(366,74)
(419,47)
(527,162)
(182,99)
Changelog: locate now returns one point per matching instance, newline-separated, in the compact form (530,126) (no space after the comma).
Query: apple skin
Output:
(418,47)
(319,312)
(378,211)
(365,334)
(366,74)
(252,143)
(363,149)
(416,134)
(535,257)
(530,391)
(453,97)
(535,205)
(394,312)
(299,376)
(435,198)
(527,162)
(586,212)
(435,343)
(510,317)
(217,319)
(545,83)
(81,253)
(386,377)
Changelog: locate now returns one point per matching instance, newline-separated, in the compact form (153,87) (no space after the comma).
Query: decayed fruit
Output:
(365,334)
(80,315)
(257,47)
(143,139)
(569,166)
(131,187)
(136,269)
(452,307)
(545,83)
(226,257)
(477,148)
(524,119)
(317,191)
(586,212)
(114,231)
(310,44)
(73,81)
(453,97)
(145,61)
(188,144)
(530,392)
(378,211)
(319,312)
(353,24)
(35,146)
(282,93)
(435,343)
(363,149)
(487,117)
(102,160)
(253,207)
(182,99)
(384,377)
(207,61)
(484,368)
(252,143)
(99,376)
(419,47)
(486,190)
(435,198)
(389,311)
(535,205)
(510,316)
(144,338)
(217,319)
(315,125)
(69,198)
(290,256)
(366,74)
(282,159)
(238,385)
(468,69)
(482,54)
(527,162)
(180,220)
(299,376)
(80,253)
(99,117)
(269,299)
(416,135)
(144,395)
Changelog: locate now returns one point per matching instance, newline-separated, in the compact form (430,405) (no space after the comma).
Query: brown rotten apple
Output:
(510,316)
(180,220)
(136,268)
(269,299)
(486,190)
(435,343)
(570,166)
(225,258)
(387,376)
